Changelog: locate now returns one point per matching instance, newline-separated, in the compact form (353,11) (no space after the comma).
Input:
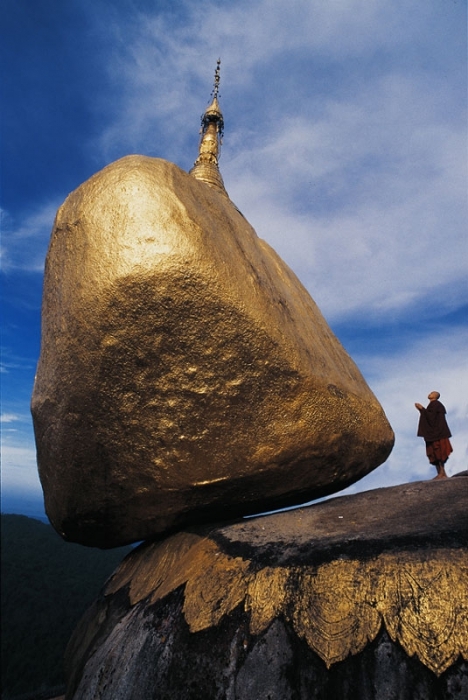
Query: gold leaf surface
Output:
(267,597)
(337,607)
(333,610)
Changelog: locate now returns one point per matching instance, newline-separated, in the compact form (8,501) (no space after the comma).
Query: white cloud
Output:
(345,140)
(11,362)
(160,65)
(437,363)
(368,204)
(9,418)
(19,470)
(24,243)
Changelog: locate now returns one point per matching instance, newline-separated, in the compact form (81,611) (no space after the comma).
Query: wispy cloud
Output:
(345,145)
(24,242)
(9,417)
(11,362)
(19,470)
(367,204)
(435,363)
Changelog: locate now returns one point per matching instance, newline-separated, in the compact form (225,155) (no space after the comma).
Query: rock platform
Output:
(358,596)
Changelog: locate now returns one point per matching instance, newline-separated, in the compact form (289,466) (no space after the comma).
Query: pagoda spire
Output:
(206,167)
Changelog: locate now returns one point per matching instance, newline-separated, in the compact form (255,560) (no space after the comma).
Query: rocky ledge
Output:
(359,596)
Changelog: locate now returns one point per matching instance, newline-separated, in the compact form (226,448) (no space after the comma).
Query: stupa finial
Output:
(216,79)
(212,128)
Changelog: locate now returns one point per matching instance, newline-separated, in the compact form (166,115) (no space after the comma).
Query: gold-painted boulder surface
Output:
(362,596)
(185,373)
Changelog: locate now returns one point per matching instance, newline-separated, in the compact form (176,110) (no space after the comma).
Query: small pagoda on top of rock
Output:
(206,167)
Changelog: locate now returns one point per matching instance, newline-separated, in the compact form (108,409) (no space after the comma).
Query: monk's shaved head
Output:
(434,396)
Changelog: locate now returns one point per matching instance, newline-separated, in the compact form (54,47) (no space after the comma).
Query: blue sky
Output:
(345,147)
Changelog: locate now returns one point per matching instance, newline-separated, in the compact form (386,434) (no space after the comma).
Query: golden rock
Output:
(185,373)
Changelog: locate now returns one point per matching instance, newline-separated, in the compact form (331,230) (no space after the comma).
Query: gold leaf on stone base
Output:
(333,610)
(424,603)
(267,597)
(337,607)
(219,590)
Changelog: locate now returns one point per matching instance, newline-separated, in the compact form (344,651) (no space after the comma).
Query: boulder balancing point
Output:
(185,373)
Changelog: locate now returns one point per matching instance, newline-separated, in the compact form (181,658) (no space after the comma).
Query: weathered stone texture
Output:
(185,373)
(264,609)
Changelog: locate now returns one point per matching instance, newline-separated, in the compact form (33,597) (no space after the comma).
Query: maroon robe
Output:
(435,431)
(432,424)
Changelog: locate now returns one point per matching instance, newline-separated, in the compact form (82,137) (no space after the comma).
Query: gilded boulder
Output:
(185,373)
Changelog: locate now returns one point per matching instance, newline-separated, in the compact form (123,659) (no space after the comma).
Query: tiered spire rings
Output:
(212,128)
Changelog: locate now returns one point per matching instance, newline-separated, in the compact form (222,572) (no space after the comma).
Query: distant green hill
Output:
(46,586)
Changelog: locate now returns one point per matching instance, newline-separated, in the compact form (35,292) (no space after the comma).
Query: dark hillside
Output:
(46,586)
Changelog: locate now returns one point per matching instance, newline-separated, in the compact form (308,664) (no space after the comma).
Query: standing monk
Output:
(435,431)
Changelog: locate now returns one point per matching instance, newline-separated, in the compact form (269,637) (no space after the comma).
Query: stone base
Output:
(157,656)
(362,596)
